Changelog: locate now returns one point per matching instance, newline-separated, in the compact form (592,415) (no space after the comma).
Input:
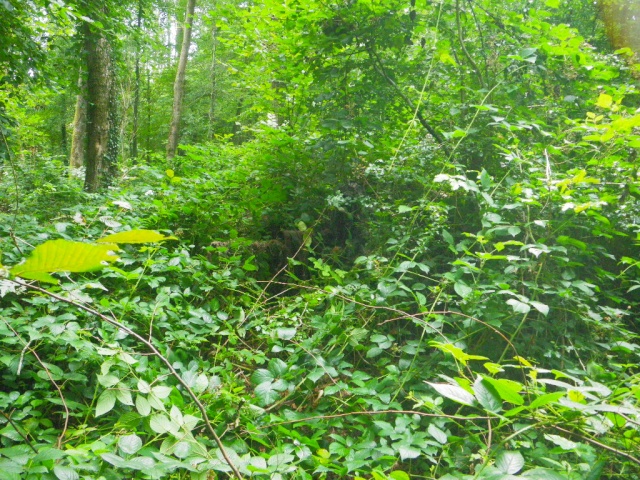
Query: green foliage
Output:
(453,302)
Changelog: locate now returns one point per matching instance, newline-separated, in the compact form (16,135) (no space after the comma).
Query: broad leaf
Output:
(65,473)
(545,399)
(487,395)
(130,444)
(135,236)
(64,256)
(106,402)
(453,392)
(507,389)
(509,462)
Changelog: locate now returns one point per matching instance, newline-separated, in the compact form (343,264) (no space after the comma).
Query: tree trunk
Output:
(78,140)
(212,97)
(99,91)
(136,98)
(178,88)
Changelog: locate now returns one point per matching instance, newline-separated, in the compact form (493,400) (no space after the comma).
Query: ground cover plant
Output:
(398,240)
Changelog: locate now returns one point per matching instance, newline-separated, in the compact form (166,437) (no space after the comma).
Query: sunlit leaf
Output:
(64,256)
(135,236)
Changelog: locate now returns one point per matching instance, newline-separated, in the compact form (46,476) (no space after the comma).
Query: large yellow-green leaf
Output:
(135,236)
(64,256)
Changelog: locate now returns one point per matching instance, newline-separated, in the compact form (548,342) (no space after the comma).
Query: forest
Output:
(319,239)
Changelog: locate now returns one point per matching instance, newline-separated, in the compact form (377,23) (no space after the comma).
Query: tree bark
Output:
(212,97)
(178,88)
(136,98)
(99,109)
(78,140)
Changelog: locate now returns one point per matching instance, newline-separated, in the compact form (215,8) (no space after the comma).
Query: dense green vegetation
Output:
(399,239)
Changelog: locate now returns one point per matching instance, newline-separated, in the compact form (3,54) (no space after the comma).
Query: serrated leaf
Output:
(509,462)
(106,402)
(453,392)
(130,444)
(64,256)
(135,236)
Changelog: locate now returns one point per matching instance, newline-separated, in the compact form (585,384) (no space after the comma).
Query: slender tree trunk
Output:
(178,88)
(148,142)
(99,109)
(136,98)
(63,127)
(212,96)
(179,7)
(79,138)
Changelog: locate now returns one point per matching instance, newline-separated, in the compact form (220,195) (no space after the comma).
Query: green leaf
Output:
(399,475)
(65,473)
(541,307)
(604,101)
(457,353)
(438,434)
(108,381)
(266,394)
(487,395)
(124,396)
(518,306)
(509,462)
(142,405)
(546,399)
(408,452)
(160,423)
(262,375)
(453,392)
(64,256)
(135,236)
(507,389)
(106,402)
(140,463)
(596,471)
(130,444)
(563,443)
(546,474)
(462,289)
